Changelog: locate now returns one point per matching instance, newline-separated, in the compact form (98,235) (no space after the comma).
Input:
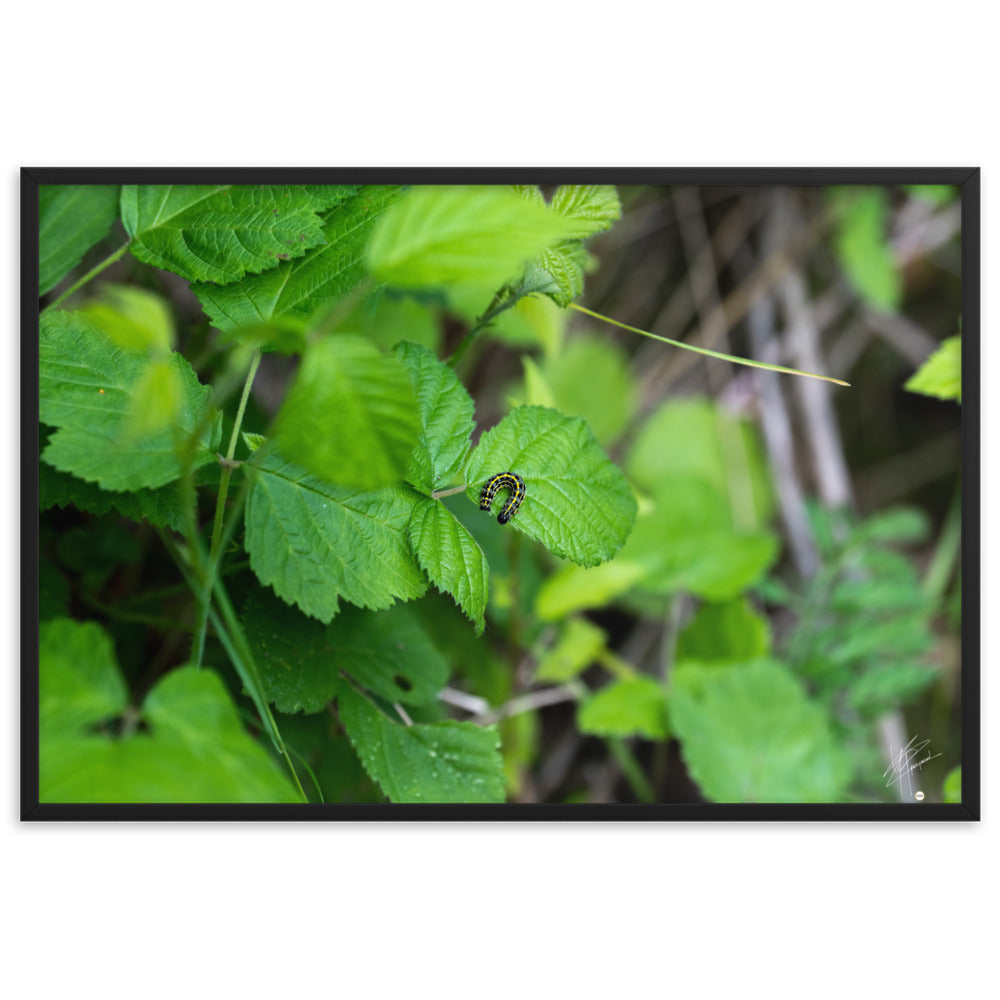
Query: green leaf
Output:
(696,439)
(314,542)
(557,272)
(474,237)
(350,416)
(300,660)
(162,506)
(218,233)
(749,734)
(78,681)
(537,391)
(535,320)
(297,289)
(135,319)
(450,557)
(593,208)
(573,588)
(634,706)
(730,632)
(91,390)
(386,319)
(195,749)
(431,762)
(940,375)
(71,219)
(685,544)
(863,246)
(578,504)
(571,377)
(445,411)
(951,790)
(580,644)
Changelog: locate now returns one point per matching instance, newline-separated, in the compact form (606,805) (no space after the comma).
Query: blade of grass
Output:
(704,350)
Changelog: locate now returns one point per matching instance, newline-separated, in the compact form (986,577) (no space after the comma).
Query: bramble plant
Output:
(290,602)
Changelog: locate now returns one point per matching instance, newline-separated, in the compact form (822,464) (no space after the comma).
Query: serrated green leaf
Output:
(157,398)
(863,246)
(314,542)
(940,375)
(748,733)
(578,504)
(728,632)
(219,233)
(450,557)
(162,506)
(580,643)
(571,376)
(557,272)
(696,439)
(898,524)
(300,660)
(592,207)
(296,290)
(475,237)
(134,318)
(430,762)
(888,686)
(195,750)
(71,219)
(634,706)
(350,416)
(445,411)
(90,390)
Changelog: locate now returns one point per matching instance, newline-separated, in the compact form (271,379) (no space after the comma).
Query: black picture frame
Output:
(968,179)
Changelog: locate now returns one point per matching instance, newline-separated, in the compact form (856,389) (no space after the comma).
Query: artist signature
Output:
(906,761)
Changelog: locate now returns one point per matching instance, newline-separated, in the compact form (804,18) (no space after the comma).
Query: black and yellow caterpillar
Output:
(503,481)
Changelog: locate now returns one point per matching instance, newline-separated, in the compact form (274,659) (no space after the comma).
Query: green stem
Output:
(214,552)
(93,272)
(496,307)
(437,494)
(946,552)
(631,769)
(704,350)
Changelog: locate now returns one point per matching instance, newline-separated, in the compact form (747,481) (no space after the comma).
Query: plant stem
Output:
(214,552)
(93,272)
(496,307)
(632,770)
(946,552)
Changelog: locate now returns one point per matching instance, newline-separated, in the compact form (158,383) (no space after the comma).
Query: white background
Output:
(502,910)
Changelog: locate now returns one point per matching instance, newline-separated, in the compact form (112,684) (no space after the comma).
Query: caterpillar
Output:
(503,481)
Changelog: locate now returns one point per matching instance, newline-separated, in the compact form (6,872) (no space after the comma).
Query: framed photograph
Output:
(617,494)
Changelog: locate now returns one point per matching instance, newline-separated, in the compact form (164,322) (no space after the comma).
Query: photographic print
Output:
(510,494)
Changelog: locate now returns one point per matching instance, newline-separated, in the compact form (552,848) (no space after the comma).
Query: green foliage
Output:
(588,209)
(315,543)
(580,644)
(461,237)
(749,733)
(728,632)
(91,390)
(349,417)
(436,762)
(194,748)
(863,246)
(297,290)
(71,219)
(940,375)
(565,382)
(221,232)
(445,411)
(578,504)
(301,660)
(450,557)
(633,706)
(935,194)
(135,319)
(951,790)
